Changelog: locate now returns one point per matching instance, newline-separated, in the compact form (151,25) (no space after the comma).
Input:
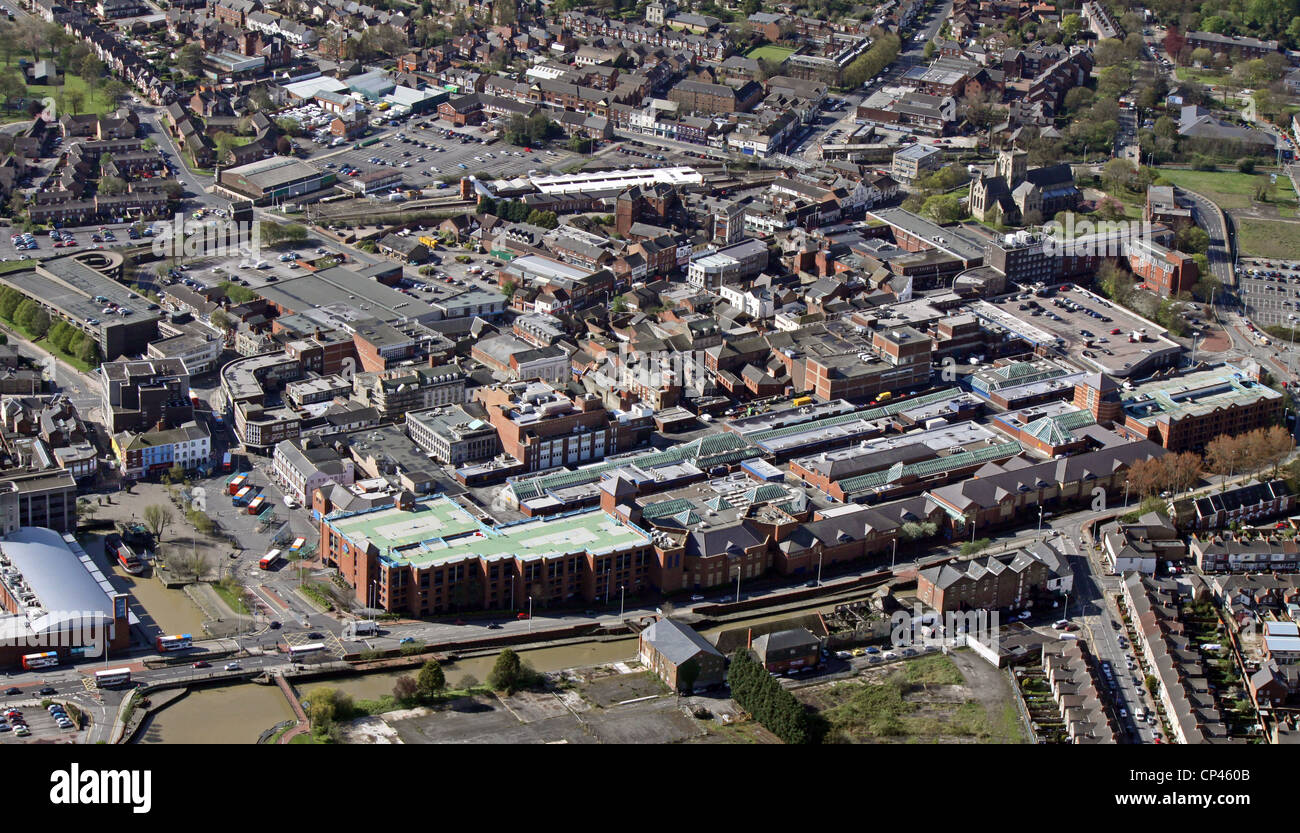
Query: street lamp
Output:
(530,614)
(738,571)
(621,590)
(893,558)
(1040,518)
(820,555)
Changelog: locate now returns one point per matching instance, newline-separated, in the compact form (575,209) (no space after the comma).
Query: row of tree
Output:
(1254,451)
(872,62)
(32,318)
(517,211)
(758,693)
(1172,473)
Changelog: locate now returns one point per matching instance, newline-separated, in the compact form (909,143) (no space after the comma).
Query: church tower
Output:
(1012,164)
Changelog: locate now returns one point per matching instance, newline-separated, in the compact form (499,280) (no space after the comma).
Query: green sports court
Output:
(438,529)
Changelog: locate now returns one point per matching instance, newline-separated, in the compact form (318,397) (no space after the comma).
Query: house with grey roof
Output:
(666,646)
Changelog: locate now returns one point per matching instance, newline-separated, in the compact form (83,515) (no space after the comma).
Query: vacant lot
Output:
(1268,238)
(932,699)
(592,711)
(1231,190)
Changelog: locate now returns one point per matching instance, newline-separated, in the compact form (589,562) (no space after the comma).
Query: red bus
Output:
(269,560)
(42,660)
(236,483)
(256,505)
(179,642)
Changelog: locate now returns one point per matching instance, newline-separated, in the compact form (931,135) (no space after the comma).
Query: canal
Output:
(238,714)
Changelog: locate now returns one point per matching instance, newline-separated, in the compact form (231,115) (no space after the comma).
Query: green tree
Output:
(943,208)
(9,300)
(190,59)
(39,324)
(1193,239)
(25,312)
(432,680)
(507,672)
(111,185)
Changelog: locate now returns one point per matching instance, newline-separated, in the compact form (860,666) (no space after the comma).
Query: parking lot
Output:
(1095,328)
(112,235)
(35,725)
(1270,290)
(424,153)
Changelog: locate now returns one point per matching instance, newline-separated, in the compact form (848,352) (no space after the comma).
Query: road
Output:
(1091,606)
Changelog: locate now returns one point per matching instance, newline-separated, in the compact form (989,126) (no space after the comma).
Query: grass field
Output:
(1232,190)
(98,104)
(770,52)
(1202,76)
(1268,238)
(926,700)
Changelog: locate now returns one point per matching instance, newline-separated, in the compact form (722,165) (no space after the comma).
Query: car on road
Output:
(232,666)
(47,690)
(524,616)
(406,640)
(12,690)
(494,626)
(202,664)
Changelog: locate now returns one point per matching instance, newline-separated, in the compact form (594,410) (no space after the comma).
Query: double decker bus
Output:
(177,642)
(256,505)
(45,659)
(299,652)
(269,560)
(236,483)
(243,496)
(225,461)
(112,677)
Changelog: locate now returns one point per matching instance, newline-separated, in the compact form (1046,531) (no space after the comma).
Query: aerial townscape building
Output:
(777,372)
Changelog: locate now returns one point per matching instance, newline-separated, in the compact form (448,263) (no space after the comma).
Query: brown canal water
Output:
(170,610)
(229,714)
(238,714)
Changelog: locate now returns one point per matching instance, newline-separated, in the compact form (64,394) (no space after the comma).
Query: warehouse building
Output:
(276,178)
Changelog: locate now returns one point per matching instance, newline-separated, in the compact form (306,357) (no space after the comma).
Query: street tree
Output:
(157,518)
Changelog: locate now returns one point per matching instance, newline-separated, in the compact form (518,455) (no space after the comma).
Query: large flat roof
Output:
(1193,394)
(58,572)
(438,529)
(627,177)
(341,289)
(70,285)
(1126,358)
